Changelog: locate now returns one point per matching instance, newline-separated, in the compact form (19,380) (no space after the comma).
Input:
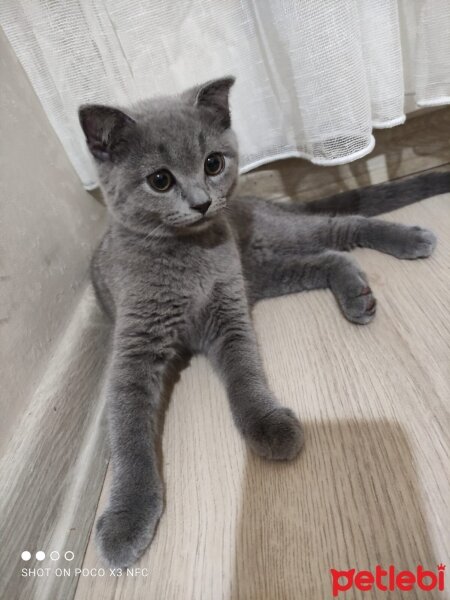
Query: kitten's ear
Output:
(214,97)
(105,129)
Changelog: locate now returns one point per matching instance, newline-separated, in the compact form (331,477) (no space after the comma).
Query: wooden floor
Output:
(372,484)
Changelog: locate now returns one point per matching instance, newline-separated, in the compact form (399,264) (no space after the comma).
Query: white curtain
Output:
(313,76)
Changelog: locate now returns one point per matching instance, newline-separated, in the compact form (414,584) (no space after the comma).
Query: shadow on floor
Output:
(351,500)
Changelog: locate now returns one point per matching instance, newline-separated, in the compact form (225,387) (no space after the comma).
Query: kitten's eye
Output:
(161,181)
(214,164)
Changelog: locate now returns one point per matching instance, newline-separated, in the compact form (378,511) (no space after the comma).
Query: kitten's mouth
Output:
(202,221)
(196,226)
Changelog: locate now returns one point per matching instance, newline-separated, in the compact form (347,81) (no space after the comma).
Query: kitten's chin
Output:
(198,226)
(203,223)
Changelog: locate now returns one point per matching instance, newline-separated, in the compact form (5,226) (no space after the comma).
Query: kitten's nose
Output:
(202,207)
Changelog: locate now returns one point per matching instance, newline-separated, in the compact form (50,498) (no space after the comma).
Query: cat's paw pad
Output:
(359,306)
(419,243)
(277,435)
(122,536)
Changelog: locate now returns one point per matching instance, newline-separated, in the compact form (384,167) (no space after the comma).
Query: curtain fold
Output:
(314,77)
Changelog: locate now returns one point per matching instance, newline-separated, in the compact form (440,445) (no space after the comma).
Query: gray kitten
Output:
(179,269)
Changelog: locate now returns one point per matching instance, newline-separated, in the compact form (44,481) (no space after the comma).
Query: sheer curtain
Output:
(313,76)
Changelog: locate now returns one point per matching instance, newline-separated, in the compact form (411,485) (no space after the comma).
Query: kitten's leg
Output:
(402,241)
(133,392)
(271,430)
(339,272)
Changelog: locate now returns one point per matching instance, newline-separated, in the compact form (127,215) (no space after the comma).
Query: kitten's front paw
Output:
(122,536)
(277,435)
(418,243)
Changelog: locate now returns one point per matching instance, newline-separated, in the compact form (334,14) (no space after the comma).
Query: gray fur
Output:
(176,282)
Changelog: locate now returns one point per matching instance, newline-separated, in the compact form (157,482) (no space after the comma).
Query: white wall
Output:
(48,228)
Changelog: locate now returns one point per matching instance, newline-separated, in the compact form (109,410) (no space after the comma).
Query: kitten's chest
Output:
(206,271)
(189,276)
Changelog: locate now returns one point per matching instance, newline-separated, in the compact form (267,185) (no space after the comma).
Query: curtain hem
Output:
(442,101)
(316,161)
(391,123)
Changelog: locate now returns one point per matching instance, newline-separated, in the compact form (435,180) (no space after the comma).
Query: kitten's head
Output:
(169,163)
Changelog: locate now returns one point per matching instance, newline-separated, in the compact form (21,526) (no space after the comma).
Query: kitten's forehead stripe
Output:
(202,142)
(165,156)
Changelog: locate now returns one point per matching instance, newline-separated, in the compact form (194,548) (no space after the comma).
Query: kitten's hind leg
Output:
(329,269)
(401,241)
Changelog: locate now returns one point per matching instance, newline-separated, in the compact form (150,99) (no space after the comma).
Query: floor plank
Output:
(372,485)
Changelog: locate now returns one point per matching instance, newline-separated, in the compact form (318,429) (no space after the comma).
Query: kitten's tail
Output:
(384,197)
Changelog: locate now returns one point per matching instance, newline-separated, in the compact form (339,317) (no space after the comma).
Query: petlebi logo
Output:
(388,580)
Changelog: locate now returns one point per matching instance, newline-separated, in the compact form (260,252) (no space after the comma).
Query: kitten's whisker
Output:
(153,231)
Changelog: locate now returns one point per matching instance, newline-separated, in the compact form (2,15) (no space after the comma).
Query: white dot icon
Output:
(25,555)
(54,555)
(69,555)
(40,555)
